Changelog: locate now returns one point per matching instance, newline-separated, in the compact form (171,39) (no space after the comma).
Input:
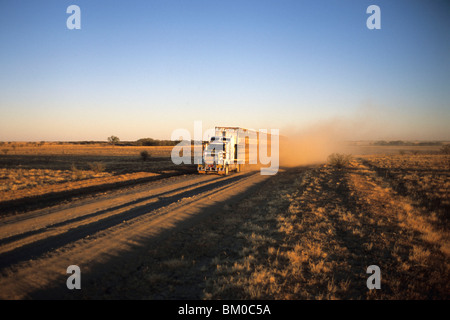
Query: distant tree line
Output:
(407,143)
(155,142)
(140,142)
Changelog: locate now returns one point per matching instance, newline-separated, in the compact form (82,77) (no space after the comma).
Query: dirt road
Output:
(105,233)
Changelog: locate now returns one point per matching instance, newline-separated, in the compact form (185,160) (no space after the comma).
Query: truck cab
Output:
(218,155)
(228,150)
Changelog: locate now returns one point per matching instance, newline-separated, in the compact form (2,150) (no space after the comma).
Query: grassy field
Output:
(331,224)
(308,233)
(311,233)
(423,178)
(32,169)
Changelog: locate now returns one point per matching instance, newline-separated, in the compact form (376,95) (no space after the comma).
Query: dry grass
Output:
(17,179)
(330,226)
(306,234)
(60,148)
(425,178)
(31,169)
(311,234)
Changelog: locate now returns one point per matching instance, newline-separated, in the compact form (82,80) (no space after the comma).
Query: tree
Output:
(113,140)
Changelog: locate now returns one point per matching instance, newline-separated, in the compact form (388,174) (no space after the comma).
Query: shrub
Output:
(339,160)
(77,173)
(145,155)
(445,149)
(97,167)
(5,151)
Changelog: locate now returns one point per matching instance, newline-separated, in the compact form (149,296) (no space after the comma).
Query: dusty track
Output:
(37,247)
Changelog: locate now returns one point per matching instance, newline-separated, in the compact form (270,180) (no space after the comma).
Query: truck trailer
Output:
(230,149)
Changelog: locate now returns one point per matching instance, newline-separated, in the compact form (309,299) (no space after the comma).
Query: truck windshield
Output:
(213,148)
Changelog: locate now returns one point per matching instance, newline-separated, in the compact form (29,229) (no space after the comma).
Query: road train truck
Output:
(230,149)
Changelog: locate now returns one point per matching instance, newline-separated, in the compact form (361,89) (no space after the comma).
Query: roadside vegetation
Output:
(30,169)
(318,234)
(306,233)
(311,233)
(339,160)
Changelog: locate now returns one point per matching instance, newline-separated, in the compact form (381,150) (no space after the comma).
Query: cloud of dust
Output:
(314,144)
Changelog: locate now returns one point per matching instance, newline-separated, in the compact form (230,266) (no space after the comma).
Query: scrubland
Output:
(306,233)
(311,233)
(323,227)
(36,169)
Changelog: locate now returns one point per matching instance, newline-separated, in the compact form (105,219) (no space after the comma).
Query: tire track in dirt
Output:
(42,227)
(97,242)
(83,226)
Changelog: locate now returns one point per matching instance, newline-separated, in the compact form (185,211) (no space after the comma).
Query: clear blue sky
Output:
(144,68)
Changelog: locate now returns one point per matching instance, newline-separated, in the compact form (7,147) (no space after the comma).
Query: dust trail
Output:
(315,143)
